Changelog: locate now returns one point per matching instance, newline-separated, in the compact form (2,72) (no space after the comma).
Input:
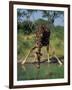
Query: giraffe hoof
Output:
(48,61)
(23,62)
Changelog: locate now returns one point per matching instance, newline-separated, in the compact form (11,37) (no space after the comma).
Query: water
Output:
(46,71)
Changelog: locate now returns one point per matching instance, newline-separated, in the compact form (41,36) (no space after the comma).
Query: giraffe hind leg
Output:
(48,53)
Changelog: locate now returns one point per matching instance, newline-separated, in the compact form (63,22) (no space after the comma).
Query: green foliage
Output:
(24,44)
(51,15)
(40,22)
(26,27)
(57,40)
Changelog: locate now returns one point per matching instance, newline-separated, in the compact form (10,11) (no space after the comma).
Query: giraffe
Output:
(43,34)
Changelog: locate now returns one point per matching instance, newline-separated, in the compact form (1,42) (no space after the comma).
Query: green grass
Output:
(46,71)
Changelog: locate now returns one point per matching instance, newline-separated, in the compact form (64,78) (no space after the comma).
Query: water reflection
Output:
(46,71)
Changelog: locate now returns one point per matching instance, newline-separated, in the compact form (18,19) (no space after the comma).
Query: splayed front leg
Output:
(23,62)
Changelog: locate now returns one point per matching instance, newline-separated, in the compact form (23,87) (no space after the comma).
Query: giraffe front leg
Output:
(23,62)
(39,56)
(48,53)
